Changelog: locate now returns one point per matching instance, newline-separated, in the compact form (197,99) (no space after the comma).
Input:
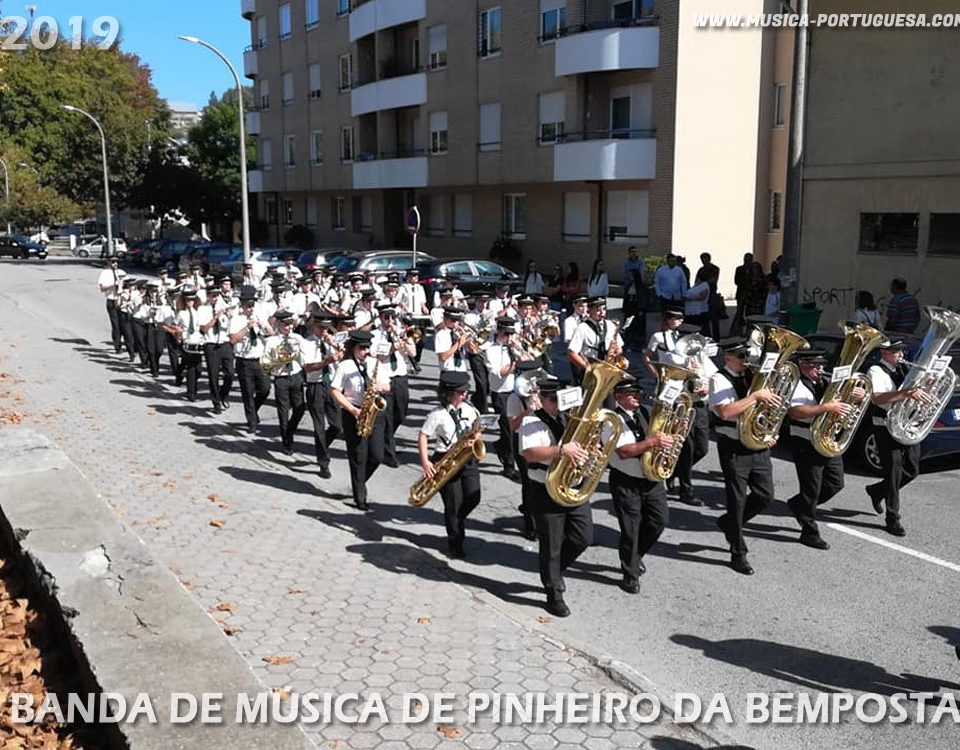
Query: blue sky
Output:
(181,72)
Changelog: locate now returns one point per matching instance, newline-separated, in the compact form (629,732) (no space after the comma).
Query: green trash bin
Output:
(803,318)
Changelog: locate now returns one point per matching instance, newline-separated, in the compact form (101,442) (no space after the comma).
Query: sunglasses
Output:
(740,355)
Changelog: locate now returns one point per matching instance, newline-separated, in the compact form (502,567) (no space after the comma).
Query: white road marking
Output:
(899,548)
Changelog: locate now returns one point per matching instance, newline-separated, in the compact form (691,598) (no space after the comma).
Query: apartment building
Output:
(551,123)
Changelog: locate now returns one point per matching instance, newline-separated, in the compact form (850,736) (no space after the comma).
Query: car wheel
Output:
(871,454)
(24,255)
(83,253)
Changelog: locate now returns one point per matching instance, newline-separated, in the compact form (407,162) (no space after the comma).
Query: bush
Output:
(653,262)
(299,236)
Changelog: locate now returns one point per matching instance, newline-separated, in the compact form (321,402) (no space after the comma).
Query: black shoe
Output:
(875,498)
(529,529)
(288,450)
(363,505)
(739,563)
(641,568)
(557,607)
(455,550)
(896,528)
(671,486)
(416,368)
(252,429)
(630,584)
(391,462)
(690,500)
(814,540)
(724,526)
(177,382)
(512,474)
(130,358)
(325,473)
(225,401)
(217,409)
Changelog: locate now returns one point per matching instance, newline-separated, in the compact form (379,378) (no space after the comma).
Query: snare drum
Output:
(194,347)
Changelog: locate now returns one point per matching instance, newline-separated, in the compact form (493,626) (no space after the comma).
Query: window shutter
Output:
(490,126)
(553,107)
(548,5)
(438,121)
(576,217)
(314,78)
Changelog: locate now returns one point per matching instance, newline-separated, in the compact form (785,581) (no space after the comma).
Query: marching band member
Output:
(446,303)
(321,354)
(564,532)
(522,403)
(290,272)
(124,308)
(197,282)
(218,353)
(342,325)
(154,332)
(109,284)
(334,300)
(640,505)
(479,319)
(165,319)
(445,426)
(573,320)
(191,338)
(502,305)
(665,340)
(391,338)
(819,477)
(287,377)
(595,338)
(348,387)
(166,283)
(900,463)
(364,315)
(502,358)
(247,334)
(413,300)
(250,277)
(743,469)
(139,312)
(450,341)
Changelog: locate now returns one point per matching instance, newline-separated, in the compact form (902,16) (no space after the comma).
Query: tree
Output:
(32,204)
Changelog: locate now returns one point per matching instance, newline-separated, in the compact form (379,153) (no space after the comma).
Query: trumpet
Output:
(477,337)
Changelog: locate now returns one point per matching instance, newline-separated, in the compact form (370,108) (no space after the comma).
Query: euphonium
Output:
(832,434)
(373,403)
(760,423)
(910,421)
(570,484)
(283,355)
(674,419)
(469,446)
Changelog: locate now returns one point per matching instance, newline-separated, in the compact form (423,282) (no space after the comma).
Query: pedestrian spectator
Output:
(635,295)
(741,280)
(682,263)
(903,310)
(554,288)
(708,270)
(532,280)
(697,303)
(866,311)
(670,283)
(771,307)
(572,285)
(775,267)
(598,285)
(633,264)
(756,291)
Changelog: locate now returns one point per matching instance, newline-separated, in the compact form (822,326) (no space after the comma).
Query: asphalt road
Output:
(873,614)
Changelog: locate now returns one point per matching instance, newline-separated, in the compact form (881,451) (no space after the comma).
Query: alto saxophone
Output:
(832,433)
(373,404)
(674,419)
(469,447)
(760,423)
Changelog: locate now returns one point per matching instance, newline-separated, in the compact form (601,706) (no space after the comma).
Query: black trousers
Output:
(126,328)
(155,343)
(254,389)
(116,332)
(563,533)
(173,353)
(460,496)
(504,444)
(317,406)
(820,479)
(577,374)
(334,417)
(641,508)
(288,390)
(219,359)
(901,465)
(480,398)
(748,476)
(694,449)
(191,371)
(739,318)
(139,328)
(363,454)
(398,404)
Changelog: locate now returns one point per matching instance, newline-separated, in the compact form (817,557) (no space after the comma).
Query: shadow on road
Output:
(671,743)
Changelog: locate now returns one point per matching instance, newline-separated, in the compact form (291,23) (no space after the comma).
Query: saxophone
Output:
(568,483)
(469,446)
(674,419)
(832,433)
(760,423)
(373,404)
(910,421)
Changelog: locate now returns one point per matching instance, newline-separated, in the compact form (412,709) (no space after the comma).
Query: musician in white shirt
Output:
(579,314)
(502,357)
(188,332)
(217,350)
(394,349)
(595,338)
(247,334)
(450,342)
(109,284)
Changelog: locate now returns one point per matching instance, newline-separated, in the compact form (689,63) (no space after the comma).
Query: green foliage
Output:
(652,263)
(32,204)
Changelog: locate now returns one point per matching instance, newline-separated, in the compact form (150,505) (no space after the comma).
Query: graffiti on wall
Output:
(828,295)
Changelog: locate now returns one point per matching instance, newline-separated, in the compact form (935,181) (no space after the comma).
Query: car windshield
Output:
(345,263)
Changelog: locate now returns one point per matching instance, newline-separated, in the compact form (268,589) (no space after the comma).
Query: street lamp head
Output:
(193,39)
(68,107)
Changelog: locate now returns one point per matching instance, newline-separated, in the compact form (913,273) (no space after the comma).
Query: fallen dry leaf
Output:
(213,497)
(170,485)
(278,661)
(224,607)
(424,621)
(542,618)
(449,731)
(231,629)
(297,590)
(218,522)
(283,692)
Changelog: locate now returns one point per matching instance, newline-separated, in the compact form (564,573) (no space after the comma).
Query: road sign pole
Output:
(412,220)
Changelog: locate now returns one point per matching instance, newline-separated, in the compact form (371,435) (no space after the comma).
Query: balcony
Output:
(253,122)
(255,180)
(606,155)
(389,93)
(250,69)
(587,49)
(373,15)
(407,170)
(248,8)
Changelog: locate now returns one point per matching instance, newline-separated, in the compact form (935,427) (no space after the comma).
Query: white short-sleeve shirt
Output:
(440,426)
(630,466)
(442,342)
(347,378)
(534,433)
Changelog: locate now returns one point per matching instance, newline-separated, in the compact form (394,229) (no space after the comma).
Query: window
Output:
(316,147)
(264,94)
(262,31)
(438,132)
(415,52)
(776,210)
(287,97)
(490,126)
(285,28)
(271,211)
(462,215)
(892,232)
(627,216)
(576,217)
(553,16)
(343,8)
(515,216)
(346,144)
(779,105)
(355,213)
(289,151)
(312,212)
(287,212)
(314,73)
(627,10)
(620,117)
(490,32)
(266,154)
(945,234)
(437,45)
(337,207)
(346,72)
(313,13)
(436,216)
(366,214)
(552,114)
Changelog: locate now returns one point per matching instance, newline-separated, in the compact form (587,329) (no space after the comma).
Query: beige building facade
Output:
(881,176)
(552,123)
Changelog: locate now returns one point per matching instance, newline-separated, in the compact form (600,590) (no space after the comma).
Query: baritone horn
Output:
(671,416)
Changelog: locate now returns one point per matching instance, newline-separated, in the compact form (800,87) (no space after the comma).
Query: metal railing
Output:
(388,69)
(617,23)
(602,135)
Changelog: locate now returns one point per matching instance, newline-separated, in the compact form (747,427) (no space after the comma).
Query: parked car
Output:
(219,257)
(137,253)
(263,259)
(168,254)
(41,238)
(94,249)
(203,253)
(377,260)
(310,259)
(944,438)
(471,274)
(18,246)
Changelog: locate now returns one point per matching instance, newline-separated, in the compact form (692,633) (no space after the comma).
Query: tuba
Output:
(832,434)
(469,446)
(673,418)
(373,404)
(760,423)
(568,483)
(909,422)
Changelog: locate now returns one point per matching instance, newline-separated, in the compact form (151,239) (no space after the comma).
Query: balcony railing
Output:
(601,135)
(389,69)
(406,153)
(618,23)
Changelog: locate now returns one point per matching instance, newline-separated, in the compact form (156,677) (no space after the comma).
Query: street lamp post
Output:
(6,191)
(106,172)
(244,202)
